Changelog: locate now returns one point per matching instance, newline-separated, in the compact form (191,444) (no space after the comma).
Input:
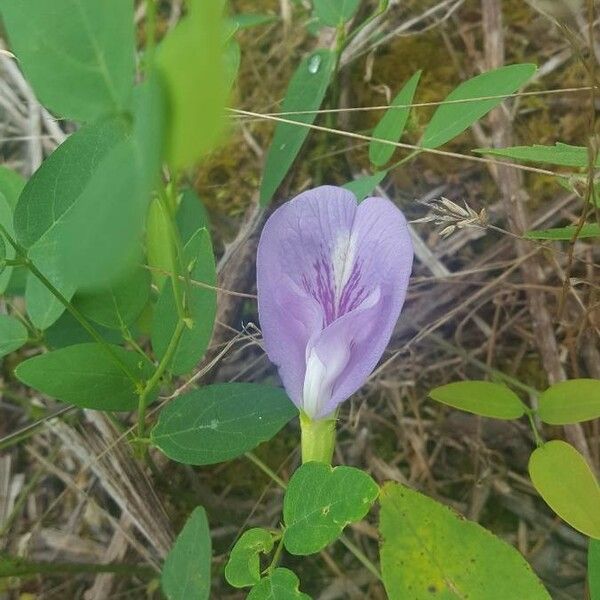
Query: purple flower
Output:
(331,277)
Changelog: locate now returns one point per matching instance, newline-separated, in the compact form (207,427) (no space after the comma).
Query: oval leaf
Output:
(243,567)
(565,234)
(120,304)
(282,584)
(335,12)
(452,118)
(313,521)
(481,398)
(364,186)
(86,375)
(570,402)
(186,572)
(13,334)
(191,60)
(391,127)
(305,92)
(559,154)
(429,551)
(565,481)
(77,54)
(219,422)
(201,303)
(11,184)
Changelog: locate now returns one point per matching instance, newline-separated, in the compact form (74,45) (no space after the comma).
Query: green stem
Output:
(266,469)
(361,557)
(318,439)
(536,434)
(22,252)
(156,377)
(276,556)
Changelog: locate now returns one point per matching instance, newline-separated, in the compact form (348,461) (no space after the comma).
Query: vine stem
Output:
(26,262)
(357,552)
(156,377)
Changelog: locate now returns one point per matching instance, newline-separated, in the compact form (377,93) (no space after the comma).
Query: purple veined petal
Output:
(332,277)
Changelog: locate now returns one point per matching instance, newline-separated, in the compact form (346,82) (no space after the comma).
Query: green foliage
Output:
(121,303)
(99,249)
(429,551)
(42,214)
(559,154)
(281,584)
(342,495)
(219,422)
(77,54)
(87,375)
(68,331)
(247,20)
(594,569)
(11,184)
(201,305)
(159,245)
(391,127)
(305,92)
(570,402)
(243,567)
(335,12)
(481,398)
(191,215)
(363,186)
(565,481)
(191,61)
(565,233)
(13,334)
(186,572)
(452,118)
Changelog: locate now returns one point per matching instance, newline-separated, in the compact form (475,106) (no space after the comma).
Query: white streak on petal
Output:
(342,259)
(320,378)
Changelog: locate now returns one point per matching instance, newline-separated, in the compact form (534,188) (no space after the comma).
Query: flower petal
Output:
(331,278)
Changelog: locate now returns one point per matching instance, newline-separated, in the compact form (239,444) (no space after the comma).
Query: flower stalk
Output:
(318,438)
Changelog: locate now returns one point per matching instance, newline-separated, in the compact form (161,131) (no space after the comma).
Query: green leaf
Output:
(42,212)
(305,92)
(101,239)
(570,402)
(565,481)
(6,250)
(314,520)
(77,54)
(335,12)
(559,154)
(363,186)
(594,569)
(246,20)
(282,584)
(186,572)
(11,185)
(191,215)
(13,334)
(391,127)
(452,118)
(429,551)
(481,398)
(120,304)
(191,61)
(159,246)
(68,331)
(243,567)
(86,375)
(565,233)
(202,307)
(220,422)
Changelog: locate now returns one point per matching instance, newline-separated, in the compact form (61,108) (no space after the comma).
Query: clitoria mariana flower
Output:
(332,277)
